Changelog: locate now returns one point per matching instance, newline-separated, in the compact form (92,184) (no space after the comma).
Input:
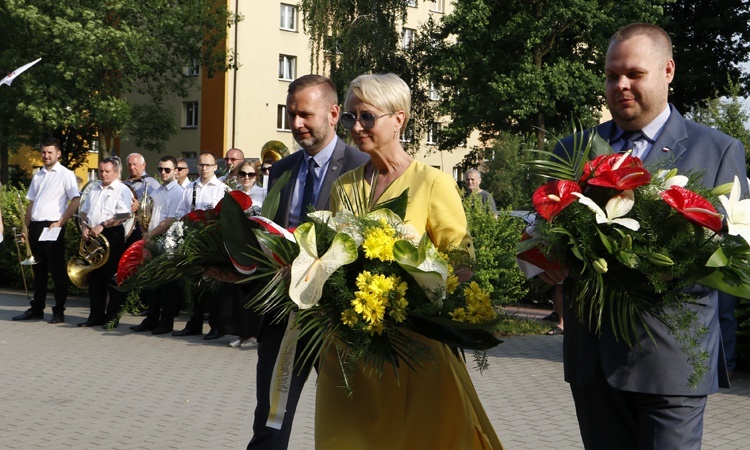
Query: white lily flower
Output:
(616,208)
(669,178)
(310,272)
(737,211)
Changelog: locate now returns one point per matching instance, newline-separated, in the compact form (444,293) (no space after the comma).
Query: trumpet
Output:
(29,261)
(93,253)
(18,237)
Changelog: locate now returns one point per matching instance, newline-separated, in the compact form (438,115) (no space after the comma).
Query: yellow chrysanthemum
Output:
(349,318)
(379,241)
(478,306)
(376,328)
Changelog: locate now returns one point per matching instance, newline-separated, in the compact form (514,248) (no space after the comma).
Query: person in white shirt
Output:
(232,160)
(248,177)
(182,173)
(53,199)
(162,301)
(102,213)
(141,182)
(203,193)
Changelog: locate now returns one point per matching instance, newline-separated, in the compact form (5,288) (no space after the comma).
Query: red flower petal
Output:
(553,197)
(622,179)
(198,215)
(606,163)
(243,199)
(691,205)
(131,259)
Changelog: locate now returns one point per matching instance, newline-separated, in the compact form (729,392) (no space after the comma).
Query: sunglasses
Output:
(265,169)
(181,168)
(164,169)
(367,120)
(244,174)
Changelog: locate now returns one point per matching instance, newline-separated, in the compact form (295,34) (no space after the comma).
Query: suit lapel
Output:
(335,167)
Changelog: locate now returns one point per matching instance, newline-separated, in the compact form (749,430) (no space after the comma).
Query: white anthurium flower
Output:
(310,272)
(617,207)
(670,178)
(425,265)
(737,211)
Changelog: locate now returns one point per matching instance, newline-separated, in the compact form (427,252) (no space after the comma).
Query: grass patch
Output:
(516,326)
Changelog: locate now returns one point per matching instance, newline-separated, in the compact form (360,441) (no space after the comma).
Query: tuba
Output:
(93,253)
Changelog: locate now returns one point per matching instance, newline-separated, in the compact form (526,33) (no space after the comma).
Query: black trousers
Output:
(161,302)
(50,258)
(207,301)
(102,283)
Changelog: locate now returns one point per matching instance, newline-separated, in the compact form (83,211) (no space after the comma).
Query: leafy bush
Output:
(494,244)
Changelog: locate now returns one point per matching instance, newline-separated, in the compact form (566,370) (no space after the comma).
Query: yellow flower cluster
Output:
(478,306)
(376,294)
(452,282)
(379,241)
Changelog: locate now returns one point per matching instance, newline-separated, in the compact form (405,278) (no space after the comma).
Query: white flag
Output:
(12,76)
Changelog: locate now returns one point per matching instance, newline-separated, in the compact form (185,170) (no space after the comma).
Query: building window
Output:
(433,133)
(192,70)
(287,67)
(412,3)
(434,92)
(282,120)
(190,112)
(288,17)
(407,135)
(190,155)
(407,37)
(438,6)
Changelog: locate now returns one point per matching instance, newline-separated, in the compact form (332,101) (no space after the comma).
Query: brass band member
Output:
(182,173)
(162,301)
(53,199)
(139,180)
(108,199)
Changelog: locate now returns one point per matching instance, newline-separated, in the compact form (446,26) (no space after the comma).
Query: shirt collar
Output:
(55,168)
(653,129)
(324,154)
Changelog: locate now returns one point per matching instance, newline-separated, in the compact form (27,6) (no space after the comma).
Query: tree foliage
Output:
(93,53)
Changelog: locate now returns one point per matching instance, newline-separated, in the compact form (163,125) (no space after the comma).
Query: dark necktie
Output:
(308,196)
(629,138)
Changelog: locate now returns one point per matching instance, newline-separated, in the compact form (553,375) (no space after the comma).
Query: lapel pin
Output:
(333,167)
(665,150)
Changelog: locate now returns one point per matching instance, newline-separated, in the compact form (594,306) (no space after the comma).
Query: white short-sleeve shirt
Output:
(51,191)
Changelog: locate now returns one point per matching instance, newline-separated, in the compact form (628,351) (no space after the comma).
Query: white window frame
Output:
(190,112)
(407,37)
(407,135)
(412,3)
(286,22)
(287,67)
(434,92)
(193,70)
(438,6)
(282,119)
(433,133)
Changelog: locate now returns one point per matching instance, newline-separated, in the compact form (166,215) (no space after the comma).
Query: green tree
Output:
(93,53)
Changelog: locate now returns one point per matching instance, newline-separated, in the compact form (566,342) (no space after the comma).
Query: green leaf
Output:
(271,203)
(396,204)
(718,280)
(718,259)
(609,244)
(237,232)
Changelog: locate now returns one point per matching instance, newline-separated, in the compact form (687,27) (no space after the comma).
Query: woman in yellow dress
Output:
(435,407)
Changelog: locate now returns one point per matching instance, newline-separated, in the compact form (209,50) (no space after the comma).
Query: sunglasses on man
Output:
(164,169)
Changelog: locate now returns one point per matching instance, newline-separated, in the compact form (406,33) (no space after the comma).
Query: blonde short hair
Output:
(385,91)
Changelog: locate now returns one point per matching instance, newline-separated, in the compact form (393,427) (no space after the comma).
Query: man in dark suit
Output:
(312,107)
(639,398)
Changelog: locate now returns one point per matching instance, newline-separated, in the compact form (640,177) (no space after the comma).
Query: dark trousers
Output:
(269,343)
(161,302)
(206,301)
(611,419)
(50,258)
(102,281)
(728,325)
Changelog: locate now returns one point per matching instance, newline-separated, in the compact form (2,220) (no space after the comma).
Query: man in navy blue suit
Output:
(639,398)
(313,110)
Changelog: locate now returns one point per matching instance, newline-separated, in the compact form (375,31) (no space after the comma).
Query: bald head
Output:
(136,164)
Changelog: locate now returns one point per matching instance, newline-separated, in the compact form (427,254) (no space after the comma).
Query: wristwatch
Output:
(102,224)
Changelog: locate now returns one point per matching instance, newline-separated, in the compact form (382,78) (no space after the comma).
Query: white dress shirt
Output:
(166,201)
(104,202)
(257,194)
(206,195)
(51,191)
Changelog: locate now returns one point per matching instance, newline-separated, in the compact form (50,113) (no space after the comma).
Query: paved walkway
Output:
(68,387)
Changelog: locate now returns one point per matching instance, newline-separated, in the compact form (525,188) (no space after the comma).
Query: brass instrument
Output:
(93,253)
(145,208)
(273,151)
(18,237)
(29,261)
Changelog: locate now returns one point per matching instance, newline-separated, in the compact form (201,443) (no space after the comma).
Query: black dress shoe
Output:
(30,315)
(57,318)
(213,334)
(141,327)
(186,332)
(160,330)
(89,323)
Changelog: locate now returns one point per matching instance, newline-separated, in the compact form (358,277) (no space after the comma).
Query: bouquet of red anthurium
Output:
(637,239)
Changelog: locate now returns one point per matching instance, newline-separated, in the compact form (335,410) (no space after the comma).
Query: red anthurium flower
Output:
(606,163)
(553,197)
(622,178)
(131,259)
(241,198)
(198,215)
(696,208)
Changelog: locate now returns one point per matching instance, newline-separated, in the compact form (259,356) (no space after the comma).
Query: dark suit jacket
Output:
(343,159)
(661,368)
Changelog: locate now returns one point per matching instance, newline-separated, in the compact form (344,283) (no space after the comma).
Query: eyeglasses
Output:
(367,120)
(181,168)
(164,169)
(244,174)
(203,166)
(265,168)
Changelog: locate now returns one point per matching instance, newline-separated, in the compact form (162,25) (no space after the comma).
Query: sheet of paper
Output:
(50,234)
